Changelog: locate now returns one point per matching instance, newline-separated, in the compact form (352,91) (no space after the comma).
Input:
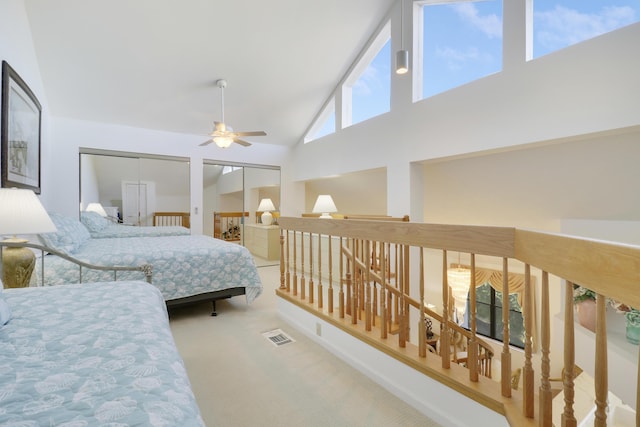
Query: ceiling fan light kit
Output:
(224,135)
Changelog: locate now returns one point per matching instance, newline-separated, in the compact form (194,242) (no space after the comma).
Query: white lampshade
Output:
(22,213)
(459,280)
(97,208)
(266,206)
(325,206)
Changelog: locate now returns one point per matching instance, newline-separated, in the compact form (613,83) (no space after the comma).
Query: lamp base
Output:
(266,218)
(326,215)
(17,265)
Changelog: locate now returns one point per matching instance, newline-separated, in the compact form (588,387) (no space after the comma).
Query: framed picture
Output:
(20,134)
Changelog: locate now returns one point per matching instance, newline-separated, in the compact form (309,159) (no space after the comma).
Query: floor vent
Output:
(278,337)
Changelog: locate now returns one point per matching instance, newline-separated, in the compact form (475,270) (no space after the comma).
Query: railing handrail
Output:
(609,262)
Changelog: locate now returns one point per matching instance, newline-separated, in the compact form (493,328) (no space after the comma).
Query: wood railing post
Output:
(283,261)
(545,403)
(320,291)
(295,264)
(367,286)
(444,327)
(601,375)
(311,296)
(351,289)
(473,342)
(527,370)
(383,298)
(568,417)
(505,360)
(422,344)
(330,293)
(303,283)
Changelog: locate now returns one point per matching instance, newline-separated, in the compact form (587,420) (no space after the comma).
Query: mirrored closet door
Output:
(132,187)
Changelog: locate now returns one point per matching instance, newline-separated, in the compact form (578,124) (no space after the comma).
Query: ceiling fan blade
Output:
(252,133)
(241,142)
(206,142)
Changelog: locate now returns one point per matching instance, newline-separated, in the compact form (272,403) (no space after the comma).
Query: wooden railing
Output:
(374,279)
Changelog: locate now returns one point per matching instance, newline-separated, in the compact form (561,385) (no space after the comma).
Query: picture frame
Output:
(20,135)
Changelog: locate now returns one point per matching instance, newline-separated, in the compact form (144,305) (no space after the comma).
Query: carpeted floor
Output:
(240,378)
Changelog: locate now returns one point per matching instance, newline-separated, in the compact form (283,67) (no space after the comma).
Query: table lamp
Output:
(266,206)
(325,206)
(20,213)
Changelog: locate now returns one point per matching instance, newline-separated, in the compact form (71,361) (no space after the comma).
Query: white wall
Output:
(70,135)
(16,47)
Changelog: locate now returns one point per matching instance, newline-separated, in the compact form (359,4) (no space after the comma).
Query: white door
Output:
(134,203)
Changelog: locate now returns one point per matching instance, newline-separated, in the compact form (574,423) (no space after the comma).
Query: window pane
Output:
(462,43)
(561,23)
(371,93)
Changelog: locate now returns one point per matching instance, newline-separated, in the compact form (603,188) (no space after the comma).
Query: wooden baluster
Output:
(402,337)
(361,282)
(320,293)
(506,353)
(311,299)
(545,411)
(295,264)
(473,342)
(568,418)
(303,283)
(383,299)
(283,260)
(396,300)
(527,370)
(407,292)
(367,285)
(330,293)
(342,274)
(354,313)
(601,374)
(444,327)
(422,344)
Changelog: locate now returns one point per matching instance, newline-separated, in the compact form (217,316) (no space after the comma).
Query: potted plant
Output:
(584,299)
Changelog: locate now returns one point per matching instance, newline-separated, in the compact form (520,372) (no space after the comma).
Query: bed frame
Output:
(209,296)
(147,269)
(168,219)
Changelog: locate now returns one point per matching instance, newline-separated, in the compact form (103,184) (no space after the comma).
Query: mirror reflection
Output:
(131,188)
(232,207)
(241,202)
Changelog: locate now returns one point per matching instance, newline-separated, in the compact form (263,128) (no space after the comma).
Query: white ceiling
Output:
(153,63)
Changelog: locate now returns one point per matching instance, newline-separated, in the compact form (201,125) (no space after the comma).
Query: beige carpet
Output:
(240,378)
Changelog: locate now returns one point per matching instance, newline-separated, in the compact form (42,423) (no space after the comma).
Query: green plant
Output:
(580,293)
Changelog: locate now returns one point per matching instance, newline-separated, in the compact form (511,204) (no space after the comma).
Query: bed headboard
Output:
(169,219)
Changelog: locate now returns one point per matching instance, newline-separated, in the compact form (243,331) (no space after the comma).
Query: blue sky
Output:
(463,42)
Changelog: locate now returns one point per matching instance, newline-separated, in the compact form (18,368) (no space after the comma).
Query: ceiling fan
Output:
(224,135)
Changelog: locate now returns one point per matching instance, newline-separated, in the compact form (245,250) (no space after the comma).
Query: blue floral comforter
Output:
(182,265)
(120,230)
(89,355)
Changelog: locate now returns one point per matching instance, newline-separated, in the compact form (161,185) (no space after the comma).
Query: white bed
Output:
(91,354)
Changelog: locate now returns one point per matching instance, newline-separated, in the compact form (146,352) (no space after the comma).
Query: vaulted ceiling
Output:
(154,63)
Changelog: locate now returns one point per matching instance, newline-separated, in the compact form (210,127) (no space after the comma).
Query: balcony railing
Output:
(381,281)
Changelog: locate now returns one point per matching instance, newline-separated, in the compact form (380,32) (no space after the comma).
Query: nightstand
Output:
(263,240)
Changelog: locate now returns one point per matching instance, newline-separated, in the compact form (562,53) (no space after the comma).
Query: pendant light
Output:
(402,56)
